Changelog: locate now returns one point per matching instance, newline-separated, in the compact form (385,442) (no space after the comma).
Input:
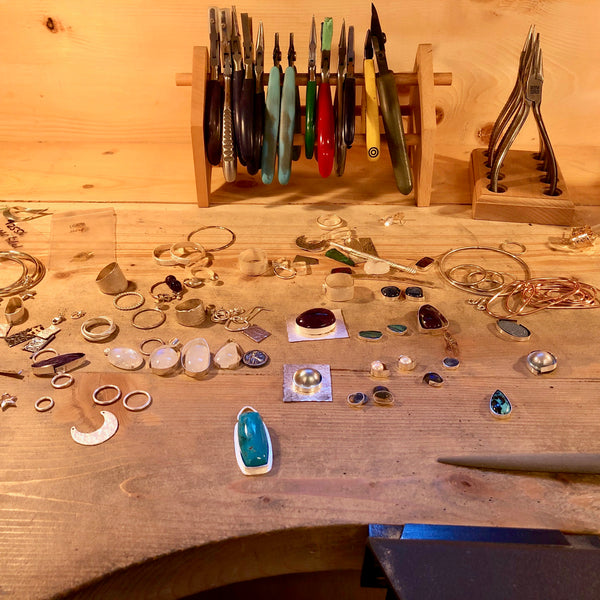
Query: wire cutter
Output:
(349,92)
(236,81)
(259,103)
(325,119)
(247,98)
(272,110)
(372,108)
(227,142)
(390,109)
(213,107)
(287,119)
(338,107)
(311,93)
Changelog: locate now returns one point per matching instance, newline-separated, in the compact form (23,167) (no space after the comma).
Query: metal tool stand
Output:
(416,91)
(437,562)
(521,196)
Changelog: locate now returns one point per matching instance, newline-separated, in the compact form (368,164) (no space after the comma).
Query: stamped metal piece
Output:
(255,358)
(93,438)
(290,387)
(256,333)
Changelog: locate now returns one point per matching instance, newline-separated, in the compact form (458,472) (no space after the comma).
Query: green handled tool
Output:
(311,93)
(390,109)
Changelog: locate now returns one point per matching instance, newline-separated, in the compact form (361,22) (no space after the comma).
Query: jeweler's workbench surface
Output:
(164,499)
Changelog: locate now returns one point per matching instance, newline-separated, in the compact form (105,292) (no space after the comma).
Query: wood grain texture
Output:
(162,508)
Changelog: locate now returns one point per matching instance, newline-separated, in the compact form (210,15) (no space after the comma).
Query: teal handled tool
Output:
(311,93)
(325,119)
(237,80)
(287,117)
(338,106)
(247,98)
(213,108)
(272,109)
(227,141)
(390,109)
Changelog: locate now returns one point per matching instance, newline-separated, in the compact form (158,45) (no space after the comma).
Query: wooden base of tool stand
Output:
(522,199)
(416,91)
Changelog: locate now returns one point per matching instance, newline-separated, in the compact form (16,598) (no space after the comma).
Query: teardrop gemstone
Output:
(316,321)
(229,356)
(431,320)
(500,405)
(124,358)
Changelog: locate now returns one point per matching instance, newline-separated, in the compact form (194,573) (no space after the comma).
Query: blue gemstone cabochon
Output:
(370,334)
(500,405)
(397,328)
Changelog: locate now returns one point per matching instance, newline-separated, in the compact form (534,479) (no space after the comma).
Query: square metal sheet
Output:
(291,395)
(340,330)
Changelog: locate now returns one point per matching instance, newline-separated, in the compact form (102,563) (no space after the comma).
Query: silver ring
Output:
(230,243)
(93,336)
(133,306)
(156,310)
(137,408)
(159,251)
(40,401)
(191,250)
(278,268)
(506,244)
(160,343)
(108,386)
(58,386)
(36,354)
(164,297)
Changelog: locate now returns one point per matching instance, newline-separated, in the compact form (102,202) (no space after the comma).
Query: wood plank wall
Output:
(103,70)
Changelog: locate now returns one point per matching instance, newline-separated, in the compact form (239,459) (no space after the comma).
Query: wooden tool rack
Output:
(416,92)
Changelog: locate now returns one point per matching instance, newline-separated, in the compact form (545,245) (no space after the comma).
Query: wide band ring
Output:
(158,252)
(59,386)
(98,336)
(141,407)
(108,386)
(192,252)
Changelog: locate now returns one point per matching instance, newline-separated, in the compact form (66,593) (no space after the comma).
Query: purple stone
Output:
(315,318)
(431,319)
(174,284)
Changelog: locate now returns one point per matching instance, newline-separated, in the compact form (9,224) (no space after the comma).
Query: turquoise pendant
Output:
(253,449)
(370,335)
(500,405)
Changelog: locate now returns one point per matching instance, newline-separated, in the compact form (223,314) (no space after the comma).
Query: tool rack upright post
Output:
(416,92)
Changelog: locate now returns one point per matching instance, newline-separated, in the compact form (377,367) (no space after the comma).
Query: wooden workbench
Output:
(162,505)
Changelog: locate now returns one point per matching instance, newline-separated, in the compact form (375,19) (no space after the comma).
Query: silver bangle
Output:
(224,246)
(59,386)
(159,251)
(98,336)
(192,252)
(141,407)
(163,318)
(147,341)
(139,303)
(108,386)
(40,401)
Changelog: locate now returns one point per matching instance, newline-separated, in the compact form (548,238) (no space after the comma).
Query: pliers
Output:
(325,119)
(272,110)
(227,142)
(246,141)
(311,93)
(287,120)
(237,81)
(390,109)
(338,108)
(349,92)
(259,103)
(213,107)
(372,108)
